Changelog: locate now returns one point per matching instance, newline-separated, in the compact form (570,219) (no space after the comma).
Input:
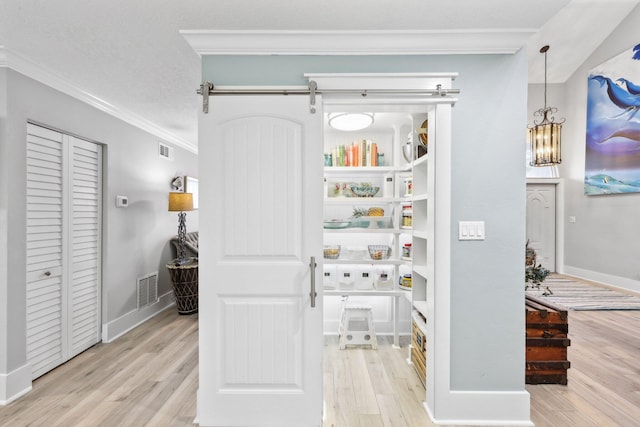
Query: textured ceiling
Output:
(129,53)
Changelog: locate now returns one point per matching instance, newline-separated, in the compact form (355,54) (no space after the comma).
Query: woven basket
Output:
(185,285)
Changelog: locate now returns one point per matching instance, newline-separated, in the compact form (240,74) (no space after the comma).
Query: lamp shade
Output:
(180,202)
(545,144)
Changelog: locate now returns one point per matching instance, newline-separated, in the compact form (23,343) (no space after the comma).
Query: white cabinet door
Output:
(261,209)
(541,223)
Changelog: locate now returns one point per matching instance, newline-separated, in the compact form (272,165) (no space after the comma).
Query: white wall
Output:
(135,239)
(604,242)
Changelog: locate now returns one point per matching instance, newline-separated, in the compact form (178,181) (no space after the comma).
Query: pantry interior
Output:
(368,222)
(379,217)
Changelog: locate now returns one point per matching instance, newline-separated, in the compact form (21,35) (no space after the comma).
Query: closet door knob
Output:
(47,273)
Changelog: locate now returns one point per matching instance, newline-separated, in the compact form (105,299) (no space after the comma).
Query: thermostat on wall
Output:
(122,201)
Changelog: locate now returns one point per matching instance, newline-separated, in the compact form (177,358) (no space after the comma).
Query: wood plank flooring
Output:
(149,377)
(604,378)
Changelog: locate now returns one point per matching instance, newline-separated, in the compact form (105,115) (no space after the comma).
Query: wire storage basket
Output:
(379,251)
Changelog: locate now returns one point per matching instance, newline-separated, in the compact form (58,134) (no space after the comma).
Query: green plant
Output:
(534,274)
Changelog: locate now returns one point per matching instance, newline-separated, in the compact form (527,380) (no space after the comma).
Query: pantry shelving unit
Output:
(423,249)
(420,196)
(390,197)
(390,232)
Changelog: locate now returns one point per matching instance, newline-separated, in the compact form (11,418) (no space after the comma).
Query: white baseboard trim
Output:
(123,324)
(484,408)
(15,384)
(605,279)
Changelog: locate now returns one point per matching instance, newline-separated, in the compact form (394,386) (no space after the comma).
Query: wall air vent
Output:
(165,151)
(147,289)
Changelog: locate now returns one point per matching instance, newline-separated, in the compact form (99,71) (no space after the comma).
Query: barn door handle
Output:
(47,273)
(313,294)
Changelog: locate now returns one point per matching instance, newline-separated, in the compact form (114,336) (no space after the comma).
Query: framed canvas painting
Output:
(612,160)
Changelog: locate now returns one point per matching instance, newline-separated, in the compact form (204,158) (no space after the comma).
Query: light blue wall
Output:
(488,183)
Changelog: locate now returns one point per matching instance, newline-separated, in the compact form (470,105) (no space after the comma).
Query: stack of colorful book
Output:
(360,153)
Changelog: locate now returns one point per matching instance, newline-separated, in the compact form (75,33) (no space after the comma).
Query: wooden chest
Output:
(547,342)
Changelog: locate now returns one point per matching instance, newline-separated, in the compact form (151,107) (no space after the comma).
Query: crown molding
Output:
(365,42)
(37,72)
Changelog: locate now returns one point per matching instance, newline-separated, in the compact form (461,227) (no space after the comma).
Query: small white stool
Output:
(356,326)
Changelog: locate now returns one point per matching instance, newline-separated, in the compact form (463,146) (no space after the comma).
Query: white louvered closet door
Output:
(84,249)
(63,247)
(45,299)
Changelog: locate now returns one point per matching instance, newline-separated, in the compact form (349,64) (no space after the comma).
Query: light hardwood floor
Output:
(149,377)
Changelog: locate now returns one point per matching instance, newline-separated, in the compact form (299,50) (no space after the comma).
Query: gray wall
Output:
(488,183)
(135,239)
(604,242)
(4,185)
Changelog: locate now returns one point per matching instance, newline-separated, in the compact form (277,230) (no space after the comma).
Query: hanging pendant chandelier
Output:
(545,136)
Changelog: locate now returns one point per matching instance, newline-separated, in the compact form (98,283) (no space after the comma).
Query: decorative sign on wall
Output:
(612,161)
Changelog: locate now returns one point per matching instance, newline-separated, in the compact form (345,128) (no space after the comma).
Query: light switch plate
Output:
(471,230)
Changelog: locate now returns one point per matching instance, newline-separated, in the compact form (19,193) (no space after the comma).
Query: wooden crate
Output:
(419,352)
(547,328)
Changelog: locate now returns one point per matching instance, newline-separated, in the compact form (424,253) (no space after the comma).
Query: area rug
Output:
(576,295)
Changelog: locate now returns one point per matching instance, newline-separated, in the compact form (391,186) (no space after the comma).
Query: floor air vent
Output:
(147,289)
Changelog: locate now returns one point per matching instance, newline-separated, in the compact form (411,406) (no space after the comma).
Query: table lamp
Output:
(181,202)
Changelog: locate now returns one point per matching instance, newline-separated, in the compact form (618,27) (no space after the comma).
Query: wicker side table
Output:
(184,277)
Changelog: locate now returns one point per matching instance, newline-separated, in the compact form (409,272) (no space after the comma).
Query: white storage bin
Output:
(357,253)
(346,278)
(330,280)
(364,278)
(383,280)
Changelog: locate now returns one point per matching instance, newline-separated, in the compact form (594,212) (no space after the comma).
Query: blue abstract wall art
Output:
(612,161)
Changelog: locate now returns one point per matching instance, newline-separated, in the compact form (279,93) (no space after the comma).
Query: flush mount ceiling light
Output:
(545,136)
(350,121)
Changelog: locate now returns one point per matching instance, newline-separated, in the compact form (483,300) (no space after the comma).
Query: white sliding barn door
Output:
(261,200)
(63,247)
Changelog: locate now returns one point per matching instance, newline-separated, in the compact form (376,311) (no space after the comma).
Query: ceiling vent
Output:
(165,151)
